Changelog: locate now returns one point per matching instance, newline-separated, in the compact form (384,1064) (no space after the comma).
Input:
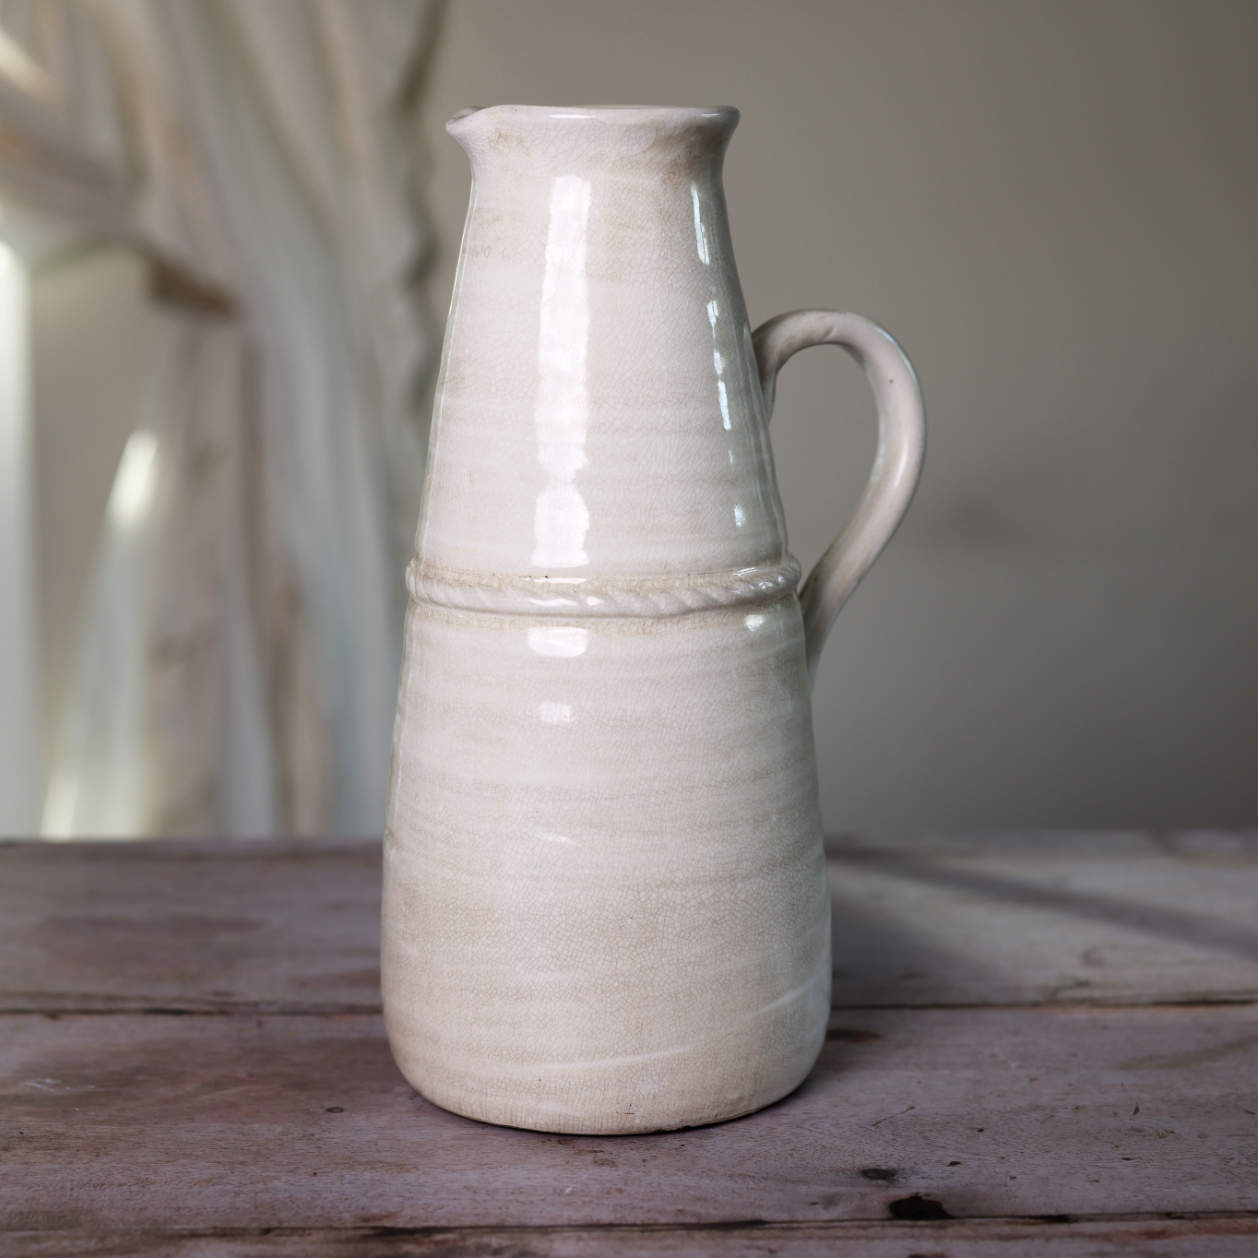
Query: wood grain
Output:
(1109,918)
(1051,1038)
(117,1122)
(1215,1237)
(190,926)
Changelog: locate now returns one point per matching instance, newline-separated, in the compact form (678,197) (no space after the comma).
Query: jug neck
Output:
(549,140)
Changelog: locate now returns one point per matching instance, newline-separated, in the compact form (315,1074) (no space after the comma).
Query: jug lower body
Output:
(605,900)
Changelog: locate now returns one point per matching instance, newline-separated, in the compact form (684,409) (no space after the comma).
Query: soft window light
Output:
(132,494)
(18,734)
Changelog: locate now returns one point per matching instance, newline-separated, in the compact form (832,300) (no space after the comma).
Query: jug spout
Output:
(572,138)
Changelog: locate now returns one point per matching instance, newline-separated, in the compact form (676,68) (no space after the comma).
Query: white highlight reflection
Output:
(561,518)
(718,361)
(555,713)
(560,642)
(701,232)
(132,492)
(550,836)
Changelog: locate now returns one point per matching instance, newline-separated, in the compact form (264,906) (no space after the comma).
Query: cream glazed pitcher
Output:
(605,901)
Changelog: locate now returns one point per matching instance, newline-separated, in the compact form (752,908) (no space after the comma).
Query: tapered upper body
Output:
(599,409)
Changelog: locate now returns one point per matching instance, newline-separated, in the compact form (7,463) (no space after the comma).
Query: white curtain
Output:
(240,643)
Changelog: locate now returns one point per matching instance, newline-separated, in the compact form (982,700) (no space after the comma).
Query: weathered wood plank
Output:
(1008,918)
(1026,919)
(189,926)
(1224,845)
(1233,1236)
(117,1122)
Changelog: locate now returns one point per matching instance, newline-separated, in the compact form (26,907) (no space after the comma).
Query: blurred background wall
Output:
(1053,206)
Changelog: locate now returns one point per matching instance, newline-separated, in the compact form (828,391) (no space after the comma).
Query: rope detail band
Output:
(589,596)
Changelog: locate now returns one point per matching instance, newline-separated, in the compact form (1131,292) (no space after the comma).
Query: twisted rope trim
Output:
(587,596)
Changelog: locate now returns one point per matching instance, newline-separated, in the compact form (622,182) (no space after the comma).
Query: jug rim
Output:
(623,114)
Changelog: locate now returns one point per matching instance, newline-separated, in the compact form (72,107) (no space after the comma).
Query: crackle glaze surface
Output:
(605,906)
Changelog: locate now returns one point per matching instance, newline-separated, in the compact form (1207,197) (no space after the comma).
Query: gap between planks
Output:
(227,1010)
(1160,1235)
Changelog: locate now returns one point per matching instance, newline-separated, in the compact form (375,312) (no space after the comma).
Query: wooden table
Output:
(1041,1044)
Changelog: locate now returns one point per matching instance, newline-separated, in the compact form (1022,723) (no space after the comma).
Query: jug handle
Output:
(897,463)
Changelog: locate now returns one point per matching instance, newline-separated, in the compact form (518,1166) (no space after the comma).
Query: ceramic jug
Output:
(605,901)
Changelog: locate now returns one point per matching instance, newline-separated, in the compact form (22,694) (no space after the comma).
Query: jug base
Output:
(591,1122)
